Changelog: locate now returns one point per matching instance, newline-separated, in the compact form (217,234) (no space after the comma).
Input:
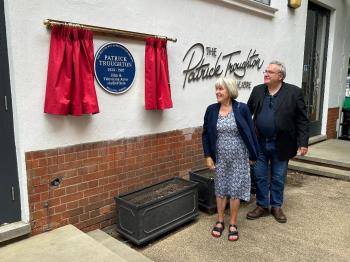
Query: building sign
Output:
(198,68)
(114,68)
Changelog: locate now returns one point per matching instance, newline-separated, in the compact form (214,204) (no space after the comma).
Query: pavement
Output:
(68,243)
(318,229)
(63,244)
(330,158)
(331,151)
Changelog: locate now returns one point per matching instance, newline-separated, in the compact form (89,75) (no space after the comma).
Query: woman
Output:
(230,145)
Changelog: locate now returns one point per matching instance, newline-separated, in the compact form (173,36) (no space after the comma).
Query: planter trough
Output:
(149,212)
(206,189)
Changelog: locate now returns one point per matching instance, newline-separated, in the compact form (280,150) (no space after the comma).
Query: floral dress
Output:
(232,166)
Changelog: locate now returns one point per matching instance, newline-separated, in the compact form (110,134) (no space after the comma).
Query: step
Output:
(315,160)
(330,152)
(62,244)
(319,170)
(14,230)
(317,139)
(118,247)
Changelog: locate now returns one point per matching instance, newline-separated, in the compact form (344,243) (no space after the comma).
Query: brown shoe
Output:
(258,212)
(278,215)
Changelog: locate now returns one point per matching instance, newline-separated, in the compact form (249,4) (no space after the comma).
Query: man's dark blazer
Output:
(245,127)
(291,121)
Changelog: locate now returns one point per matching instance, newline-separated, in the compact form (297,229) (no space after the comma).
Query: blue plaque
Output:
(114,68)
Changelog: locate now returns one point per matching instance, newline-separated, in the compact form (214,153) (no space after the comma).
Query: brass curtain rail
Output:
(107,31)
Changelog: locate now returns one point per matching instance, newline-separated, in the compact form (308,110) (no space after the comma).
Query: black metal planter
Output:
(206,189)
(147,213)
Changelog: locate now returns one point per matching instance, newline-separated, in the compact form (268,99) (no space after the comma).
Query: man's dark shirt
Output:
(265,121)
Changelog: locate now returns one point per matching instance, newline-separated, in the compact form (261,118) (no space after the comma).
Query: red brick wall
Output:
(92,174)
(333,114)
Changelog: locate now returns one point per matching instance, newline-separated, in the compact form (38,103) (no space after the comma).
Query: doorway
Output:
(315,60)
(10,210)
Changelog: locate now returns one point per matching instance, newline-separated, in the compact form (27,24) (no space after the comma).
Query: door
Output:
(10,210)
(315,60)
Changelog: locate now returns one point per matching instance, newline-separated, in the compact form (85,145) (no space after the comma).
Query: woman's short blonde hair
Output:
(229,84)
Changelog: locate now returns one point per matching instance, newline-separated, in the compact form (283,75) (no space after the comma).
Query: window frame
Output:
(263,2)
(253,6)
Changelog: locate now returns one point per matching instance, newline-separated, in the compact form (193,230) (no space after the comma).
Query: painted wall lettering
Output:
(229,64)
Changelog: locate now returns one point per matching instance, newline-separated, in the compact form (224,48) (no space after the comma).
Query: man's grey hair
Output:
(282,67)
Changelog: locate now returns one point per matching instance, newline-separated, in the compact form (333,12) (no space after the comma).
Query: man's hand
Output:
(210,163)
(302,151)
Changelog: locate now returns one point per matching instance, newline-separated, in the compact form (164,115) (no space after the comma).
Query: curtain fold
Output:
(70,85)
(157,85)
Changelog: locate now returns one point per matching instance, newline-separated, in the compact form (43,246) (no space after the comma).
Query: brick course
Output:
(333,114)
(92,174)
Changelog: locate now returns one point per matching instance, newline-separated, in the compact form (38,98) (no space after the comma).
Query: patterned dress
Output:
(232,166)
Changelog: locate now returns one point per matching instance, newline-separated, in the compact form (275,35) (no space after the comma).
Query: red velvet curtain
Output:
(70,85)
(157,85)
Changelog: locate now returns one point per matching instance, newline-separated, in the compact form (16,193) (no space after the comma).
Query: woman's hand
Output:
(210,163)
(251,162)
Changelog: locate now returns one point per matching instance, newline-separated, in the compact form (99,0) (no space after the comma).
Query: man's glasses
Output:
(268,72)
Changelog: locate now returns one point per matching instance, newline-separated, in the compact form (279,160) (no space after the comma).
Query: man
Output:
(282,128)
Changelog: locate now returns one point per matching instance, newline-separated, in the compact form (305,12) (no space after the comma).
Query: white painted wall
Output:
(211,22)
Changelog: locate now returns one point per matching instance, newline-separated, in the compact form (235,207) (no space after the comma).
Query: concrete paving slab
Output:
(318,229)
(63,244)
(332,151)
(13,230)
(317,139)
(118,247)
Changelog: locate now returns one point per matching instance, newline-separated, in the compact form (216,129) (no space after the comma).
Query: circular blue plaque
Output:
(114,68)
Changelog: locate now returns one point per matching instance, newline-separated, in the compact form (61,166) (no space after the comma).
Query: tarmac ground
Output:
(318,229)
